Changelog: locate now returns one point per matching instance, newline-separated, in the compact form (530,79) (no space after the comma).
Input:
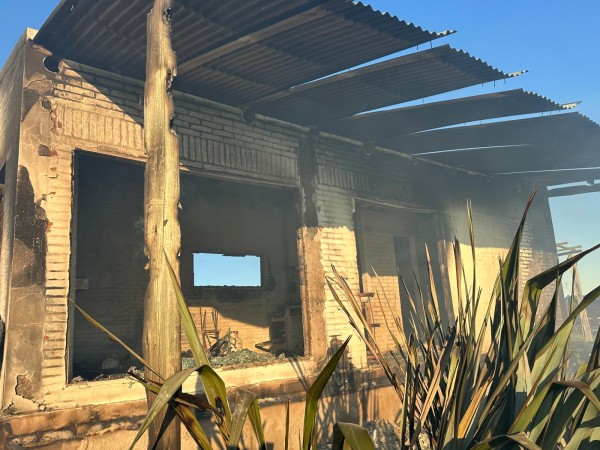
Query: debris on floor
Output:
(237,358)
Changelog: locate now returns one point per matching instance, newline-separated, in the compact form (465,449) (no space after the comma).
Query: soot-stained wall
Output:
(216,217)
(110,261)
(391,248)
(237,219)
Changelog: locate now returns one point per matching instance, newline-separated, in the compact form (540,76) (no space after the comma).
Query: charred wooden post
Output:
(162,342)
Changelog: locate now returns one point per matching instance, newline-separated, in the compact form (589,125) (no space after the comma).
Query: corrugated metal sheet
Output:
(552,177)
(230,50)
(561,142)
(523,157)
(266,55)
(397,80)
(560,128)
(378,126)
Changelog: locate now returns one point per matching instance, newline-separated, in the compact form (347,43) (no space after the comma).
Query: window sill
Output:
(127,390)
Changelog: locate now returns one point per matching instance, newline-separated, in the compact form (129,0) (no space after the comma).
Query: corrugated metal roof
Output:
(523,157)
(232,51)
(377,126)
(560,128)
(562,142)
(552,177)
(396,80)
(277,57)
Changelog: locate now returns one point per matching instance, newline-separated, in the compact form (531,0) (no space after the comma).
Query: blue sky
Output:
(211,269)
(556,40)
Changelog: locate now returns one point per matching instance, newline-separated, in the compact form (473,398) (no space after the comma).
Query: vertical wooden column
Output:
(312,274)
(162,342)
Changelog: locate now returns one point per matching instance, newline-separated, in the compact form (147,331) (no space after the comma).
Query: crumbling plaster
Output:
(23,358)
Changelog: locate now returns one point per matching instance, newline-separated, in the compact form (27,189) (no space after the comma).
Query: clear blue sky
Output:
(556,40)
(212,269)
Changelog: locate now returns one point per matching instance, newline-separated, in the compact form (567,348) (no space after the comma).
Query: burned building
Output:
(289,166)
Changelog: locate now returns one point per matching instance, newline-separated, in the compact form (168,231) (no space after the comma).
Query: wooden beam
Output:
(294,18)
(390,64)
(162,335)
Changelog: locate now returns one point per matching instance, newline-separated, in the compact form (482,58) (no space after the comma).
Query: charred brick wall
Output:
(99,112)
(110,261)
(223,217)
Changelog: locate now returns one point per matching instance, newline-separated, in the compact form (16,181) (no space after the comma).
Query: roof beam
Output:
(406,63)
(354,73)
(264,31)
(573,190)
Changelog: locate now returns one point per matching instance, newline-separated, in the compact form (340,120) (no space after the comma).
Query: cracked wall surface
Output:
(24,355)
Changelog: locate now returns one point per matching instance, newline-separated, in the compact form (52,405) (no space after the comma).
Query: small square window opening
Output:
(216,270)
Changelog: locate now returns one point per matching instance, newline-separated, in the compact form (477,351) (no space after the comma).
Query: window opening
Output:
(217,270)
(391,257)
(239,270)
(109,278)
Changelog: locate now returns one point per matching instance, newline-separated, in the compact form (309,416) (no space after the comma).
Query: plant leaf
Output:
(533,288)
(165,395)
(560,338)
(187,323)
(314,393)
(255,420)
(114,338)
(216,393)
(353,435)
(584,388)
(243,402)
(193,426)
(287,425)
(501,441)
(587,436)
(192,401)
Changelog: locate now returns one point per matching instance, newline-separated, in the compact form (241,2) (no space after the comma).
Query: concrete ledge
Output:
(52,429)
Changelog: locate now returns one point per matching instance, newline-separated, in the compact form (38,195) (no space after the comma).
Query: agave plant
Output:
(230,421)
(515,393)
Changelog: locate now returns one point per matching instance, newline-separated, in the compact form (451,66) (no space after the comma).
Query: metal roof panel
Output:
(378,126)
(560,128)
(274,43)
(522,158)
(393,81)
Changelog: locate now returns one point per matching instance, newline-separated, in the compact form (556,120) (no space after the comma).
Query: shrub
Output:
(516,394)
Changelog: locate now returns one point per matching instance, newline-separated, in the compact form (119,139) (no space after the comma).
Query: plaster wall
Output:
(11,88)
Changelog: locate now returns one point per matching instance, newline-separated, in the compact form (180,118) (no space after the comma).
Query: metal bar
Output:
(573,190)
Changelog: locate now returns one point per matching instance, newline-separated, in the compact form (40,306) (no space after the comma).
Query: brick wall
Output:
(110,261)
(236,219)
(497,211)
(101,112)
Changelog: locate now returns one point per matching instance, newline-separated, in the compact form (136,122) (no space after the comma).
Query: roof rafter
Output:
(261,32)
